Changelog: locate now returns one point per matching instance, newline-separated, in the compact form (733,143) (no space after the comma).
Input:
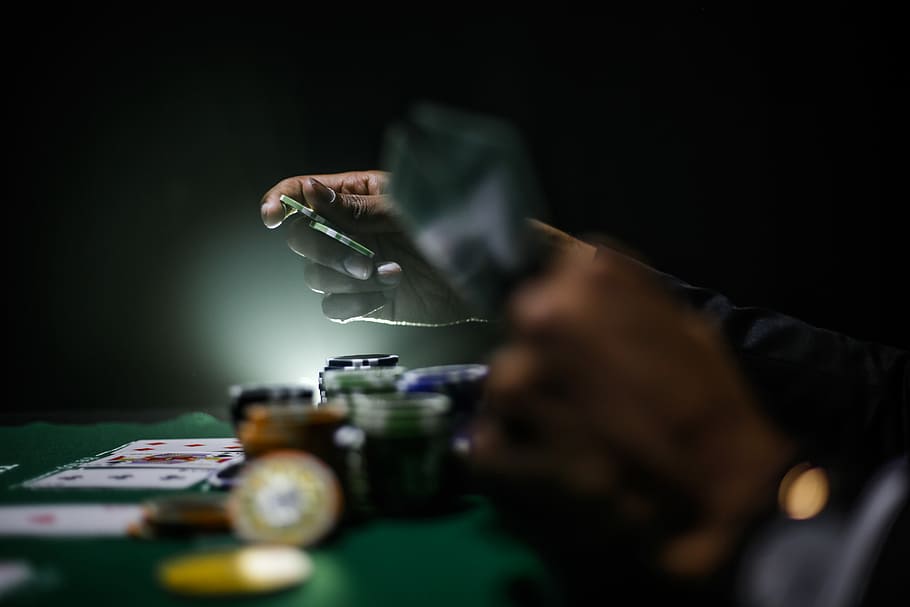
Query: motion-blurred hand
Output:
(397,286)
(613,396)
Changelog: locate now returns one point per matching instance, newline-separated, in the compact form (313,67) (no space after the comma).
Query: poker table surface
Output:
(457,558)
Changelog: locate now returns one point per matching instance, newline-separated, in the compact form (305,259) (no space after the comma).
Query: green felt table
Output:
(453,559)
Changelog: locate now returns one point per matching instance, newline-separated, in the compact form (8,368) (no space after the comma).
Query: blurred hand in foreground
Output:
(612,397)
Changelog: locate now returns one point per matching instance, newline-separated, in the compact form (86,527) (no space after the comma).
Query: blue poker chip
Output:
(462,383)
(445,375)
(226,478)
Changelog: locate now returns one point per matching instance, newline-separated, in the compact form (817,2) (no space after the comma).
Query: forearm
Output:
(835,394)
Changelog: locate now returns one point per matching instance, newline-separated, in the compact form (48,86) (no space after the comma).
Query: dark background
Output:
(748,150)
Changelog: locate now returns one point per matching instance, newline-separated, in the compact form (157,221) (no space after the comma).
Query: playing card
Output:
(181,445)
(122,459)
(69,520)
(13,575)
(126,478)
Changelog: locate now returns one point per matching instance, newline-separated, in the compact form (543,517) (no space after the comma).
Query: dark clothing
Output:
(845,401)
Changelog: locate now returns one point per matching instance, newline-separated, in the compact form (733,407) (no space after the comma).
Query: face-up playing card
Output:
(161,459)
(121,478)
(182,445)
(68,520)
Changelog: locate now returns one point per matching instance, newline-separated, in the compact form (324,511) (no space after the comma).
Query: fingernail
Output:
(388,273)
(358,266)
(325,193)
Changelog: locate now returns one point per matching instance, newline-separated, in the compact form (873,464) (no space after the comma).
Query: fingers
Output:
(328,252)
(493,453)
(558,242)
(354,201)
(324,279)
(352,211)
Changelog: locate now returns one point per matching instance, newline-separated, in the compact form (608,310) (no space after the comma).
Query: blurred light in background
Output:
(249,317)
(804,492)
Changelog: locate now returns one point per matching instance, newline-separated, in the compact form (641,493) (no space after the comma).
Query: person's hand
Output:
(613,396)
(398,285)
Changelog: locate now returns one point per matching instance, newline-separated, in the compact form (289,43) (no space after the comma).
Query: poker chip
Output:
(342,238)
(271,427)
(185,514)
(362,360)
(400,414)
(361,380)
(400,425)
(285,497)
(404,451)
(462,383)
(243,395)
(238,571)
(304,210)
(444,378)
(321,224)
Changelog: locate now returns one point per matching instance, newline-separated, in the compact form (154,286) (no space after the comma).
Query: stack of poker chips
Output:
(462,383)
(340,385)
(271,427)
(354,362)
(404,449)
(242,396)
(290,488)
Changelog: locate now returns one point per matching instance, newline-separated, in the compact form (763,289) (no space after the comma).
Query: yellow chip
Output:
(285,497)
(250,570)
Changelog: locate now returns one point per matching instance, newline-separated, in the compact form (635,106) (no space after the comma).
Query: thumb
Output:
(352,212)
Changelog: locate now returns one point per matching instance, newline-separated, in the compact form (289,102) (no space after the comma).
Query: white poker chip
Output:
(285,497)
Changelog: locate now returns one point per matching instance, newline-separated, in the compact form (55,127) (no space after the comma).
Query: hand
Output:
(612,396)
(397,286)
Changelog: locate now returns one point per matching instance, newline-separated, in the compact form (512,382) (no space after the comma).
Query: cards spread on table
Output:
(181,445)
(167,460)
(126,478)
(148,464)
(68,520)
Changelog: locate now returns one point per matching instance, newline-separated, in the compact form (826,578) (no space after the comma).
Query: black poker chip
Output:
(244,395)
(362,360)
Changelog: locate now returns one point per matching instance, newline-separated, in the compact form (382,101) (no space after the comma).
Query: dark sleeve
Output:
(838,396)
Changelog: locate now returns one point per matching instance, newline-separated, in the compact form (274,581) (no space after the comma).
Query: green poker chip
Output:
(304,210)
(402,427)
(400,414)
(321,224)
(364,380)
(421,401)
(342,238)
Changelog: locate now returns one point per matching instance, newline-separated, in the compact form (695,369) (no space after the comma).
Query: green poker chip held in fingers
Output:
(321,224)
(303,209)
(343,239)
